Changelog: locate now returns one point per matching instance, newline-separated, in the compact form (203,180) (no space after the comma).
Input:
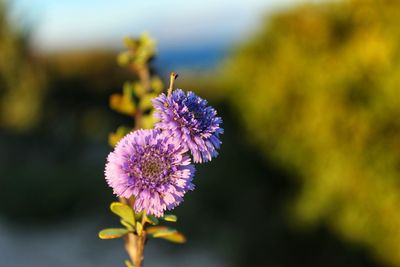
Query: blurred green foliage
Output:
(53,123)
(318,89)
(22,80)
(135,100)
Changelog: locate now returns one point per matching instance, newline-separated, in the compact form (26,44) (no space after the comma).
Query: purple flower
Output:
(151,166)
(188,118)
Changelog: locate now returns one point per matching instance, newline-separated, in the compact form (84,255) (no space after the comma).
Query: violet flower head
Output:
(151,166)
(188,118)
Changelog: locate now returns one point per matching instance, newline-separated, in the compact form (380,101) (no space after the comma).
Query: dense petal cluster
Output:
(188,118)
(153,167)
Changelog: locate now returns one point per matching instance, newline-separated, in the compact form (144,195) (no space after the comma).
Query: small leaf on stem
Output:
(130,42)
(139,228)
(166,233)
(112,233)
(114,138)
(138,89)
(157,85)
(159,231)
(170,218)
(174,237)
(127,225)
(154,229)
(124,58)
(151,219)
(122,104)
(145,103)
(149,120)
(124,211)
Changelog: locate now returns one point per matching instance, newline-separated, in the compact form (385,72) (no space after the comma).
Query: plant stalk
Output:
(172,79)
(134,243)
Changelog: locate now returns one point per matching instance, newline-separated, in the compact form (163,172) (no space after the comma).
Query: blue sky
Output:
(69,24)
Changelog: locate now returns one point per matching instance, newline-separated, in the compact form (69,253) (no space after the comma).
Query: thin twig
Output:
(172,79)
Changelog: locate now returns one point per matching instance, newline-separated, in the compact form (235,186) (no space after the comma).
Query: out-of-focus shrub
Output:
(22,80)
(318,89)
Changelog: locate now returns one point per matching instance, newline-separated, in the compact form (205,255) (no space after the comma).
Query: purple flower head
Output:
(151,166)
(188,118)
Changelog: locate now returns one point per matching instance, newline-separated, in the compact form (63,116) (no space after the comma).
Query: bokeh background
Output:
(309,170)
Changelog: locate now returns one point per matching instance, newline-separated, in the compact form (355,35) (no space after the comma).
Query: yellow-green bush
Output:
(318,89)
(22,80)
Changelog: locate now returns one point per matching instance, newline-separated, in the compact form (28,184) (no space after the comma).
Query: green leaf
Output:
(157,85)
(127,89)
(139,228)
(154,229)
(166,233)
(170,218)
(151,219)
(146,49)
(139,89)
(158,231)
(148,121)
(124,58)
(123,103)
(138,216)
(174,237)
(124,211)
(146,40)
(145,102)
(127,225)
(112,233)
(113,138)
(130,42)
